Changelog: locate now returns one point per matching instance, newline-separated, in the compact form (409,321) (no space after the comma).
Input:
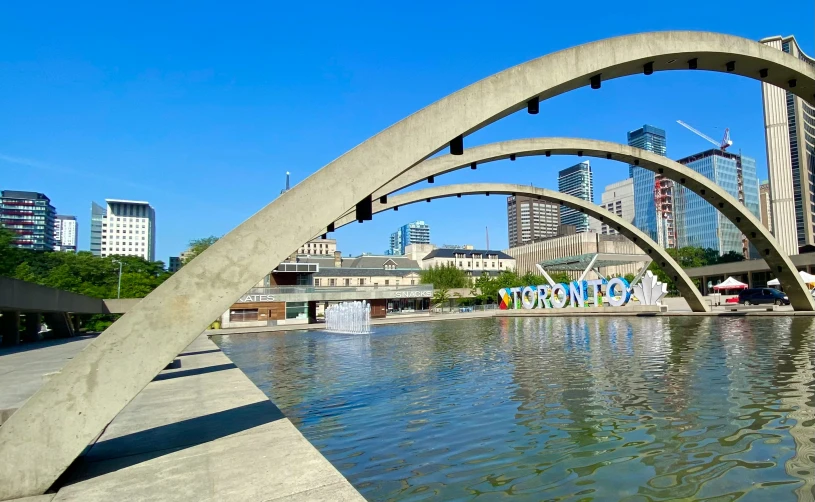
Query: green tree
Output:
(198,246)
(440,297)
(445,277)
(730,257)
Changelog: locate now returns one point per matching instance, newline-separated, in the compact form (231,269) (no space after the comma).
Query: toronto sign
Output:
(615,292)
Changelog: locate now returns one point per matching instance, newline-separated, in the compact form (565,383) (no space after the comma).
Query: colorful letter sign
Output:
(616,291)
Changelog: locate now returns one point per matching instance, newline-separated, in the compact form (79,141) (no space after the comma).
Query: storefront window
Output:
(240,315)
(296,310)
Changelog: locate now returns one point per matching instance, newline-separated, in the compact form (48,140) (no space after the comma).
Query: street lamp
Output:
(119,289)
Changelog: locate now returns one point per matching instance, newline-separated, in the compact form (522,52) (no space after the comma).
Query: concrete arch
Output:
(745,221)
(44,436)
(654,250)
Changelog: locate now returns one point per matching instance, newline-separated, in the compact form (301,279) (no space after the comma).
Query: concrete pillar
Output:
(10,328)
(312,312)
(59,323)
(750,279)
(76,322)
(32,326)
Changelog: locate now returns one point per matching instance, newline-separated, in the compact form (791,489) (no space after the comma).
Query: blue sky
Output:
(201,108)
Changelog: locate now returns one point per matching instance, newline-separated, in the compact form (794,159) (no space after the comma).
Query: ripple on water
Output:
(553,408)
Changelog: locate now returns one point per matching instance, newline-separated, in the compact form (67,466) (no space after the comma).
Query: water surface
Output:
(563,408)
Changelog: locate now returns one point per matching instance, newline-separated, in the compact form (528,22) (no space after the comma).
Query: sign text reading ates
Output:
(576,294)
(256,298)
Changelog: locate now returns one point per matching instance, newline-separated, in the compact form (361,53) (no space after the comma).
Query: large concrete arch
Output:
(43,437)
(745,221)
(654,250)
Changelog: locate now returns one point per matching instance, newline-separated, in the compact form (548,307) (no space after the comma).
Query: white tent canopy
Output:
(808,279)
(730,283)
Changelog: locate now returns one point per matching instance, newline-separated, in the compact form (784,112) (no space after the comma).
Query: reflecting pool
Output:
(569,408)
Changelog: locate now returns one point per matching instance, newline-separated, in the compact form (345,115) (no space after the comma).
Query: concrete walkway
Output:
(199,431)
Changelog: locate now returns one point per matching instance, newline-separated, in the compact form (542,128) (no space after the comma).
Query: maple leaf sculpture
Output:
(650,291)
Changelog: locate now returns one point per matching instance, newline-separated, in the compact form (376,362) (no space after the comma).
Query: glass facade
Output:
(30,216)
(417,232)
(97,215)
(576,181)
(703,225)
(652,139)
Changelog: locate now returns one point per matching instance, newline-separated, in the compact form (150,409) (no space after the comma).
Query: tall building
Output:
(97,215)
(175,264)
(653,194)
(618,198)
(30,215)
(126,228)
(530,219)
(417,232)
(765,205)
(578,182)
(65,233)
(790,136)
(702,223)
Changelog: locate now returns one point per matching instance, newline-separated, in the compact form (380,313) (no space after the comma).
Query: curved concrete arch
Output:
(743,219)
(44,436)
(653,250)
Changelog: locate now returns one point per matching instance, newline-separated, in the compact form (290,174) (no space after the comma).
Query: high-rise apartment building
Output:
(578,182)
(30,215)
(530,219)
(65,233)
(126,228)
(653,194)
(702,224)
(618,198)
(765,205)
(417,232)
(175,264)
(789,129)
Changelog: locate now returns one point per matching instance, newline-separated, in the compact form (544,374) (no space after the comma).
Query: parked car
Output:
(757,296)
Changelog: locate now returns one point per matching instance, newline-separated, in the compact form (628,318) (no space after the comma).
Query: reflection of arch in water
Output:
(109,373)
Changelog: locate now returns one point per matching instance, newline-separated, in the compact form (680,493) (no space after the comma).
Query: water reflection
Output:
(569,408)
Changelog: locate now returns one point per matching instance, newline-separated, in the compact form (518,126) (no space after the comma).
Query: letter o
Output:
(613,285)
(528,292)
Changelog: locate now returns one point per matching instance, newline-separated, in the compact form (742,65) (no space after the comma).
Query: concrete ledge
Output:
(748,308)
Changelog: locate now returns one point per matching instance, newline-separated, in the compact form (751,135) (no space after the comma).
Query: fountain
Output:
(348,317)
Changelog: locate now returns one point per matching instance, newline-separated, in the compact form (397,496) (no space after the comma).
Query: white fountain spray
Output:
(348,317)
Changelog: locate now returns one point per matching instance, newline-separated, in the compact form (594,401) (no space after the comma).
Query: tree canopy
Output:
(445,277)
(198,246)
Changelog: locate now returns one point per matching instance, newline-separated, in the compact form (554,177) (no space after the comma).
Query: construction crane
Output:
(723,145)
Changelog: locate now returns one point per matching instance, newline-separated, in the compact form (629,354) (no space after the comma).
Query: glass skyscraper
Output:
(663,230)
(578,182)
(97,215)
(417,232)
(704,226)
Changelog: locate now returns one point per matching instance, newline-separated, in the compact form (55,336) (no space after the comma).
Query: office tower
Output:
(530,219)
(790,136)
(704,226)
(175,264)
(576,181)
(618,198)
(65,233)
(417,232)
(30,216)
(653,194)
(126,228)
(765,205)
